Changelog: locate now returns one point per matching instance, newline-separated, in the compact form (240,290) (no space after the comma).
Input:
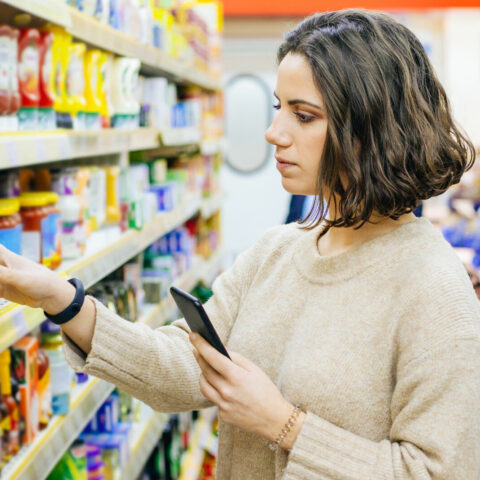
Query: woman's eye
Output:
(276,106)
(304,118)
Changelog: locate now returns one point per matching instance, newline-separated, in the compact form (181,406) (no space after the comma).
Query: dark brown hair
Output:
(390,138)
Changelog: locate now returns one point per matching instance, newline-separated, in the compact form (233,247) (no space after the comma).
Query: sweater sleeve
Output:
(158,366)
(435,433)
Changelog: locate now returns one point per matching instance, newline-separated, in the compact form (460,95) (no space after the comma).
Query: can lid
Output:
(9,206)
(34,199)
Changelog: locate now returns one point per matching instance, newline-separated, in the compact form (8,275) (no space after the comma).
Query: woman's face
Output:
(299,128)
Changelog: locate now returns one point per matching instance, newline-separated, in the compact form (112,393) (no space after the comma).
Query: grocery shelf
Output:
(50,445)
(154,60)
(96,34)
(202,440)
(212,204)
(107,250)
(156,315)
(22,149)
(37,460)
(145,437)
(36,148)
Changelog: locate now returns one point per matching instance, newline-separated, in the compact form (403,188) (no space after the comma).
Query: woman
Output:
(366,319)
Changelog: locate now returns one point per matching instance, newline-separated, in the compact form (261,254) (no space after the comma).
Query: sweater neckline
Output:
(330,269)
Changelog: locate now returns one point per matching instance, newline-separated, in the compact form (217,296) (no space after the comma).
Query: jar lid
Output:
(52,197)
(9,206)
(34,199)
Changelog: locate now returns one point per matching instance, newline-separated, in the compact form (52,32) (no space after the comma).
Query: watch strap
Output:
(74,307)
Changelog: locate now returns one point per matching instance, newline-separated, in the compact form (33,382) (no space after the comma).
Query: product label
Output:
(13,62)
(4,62)
(31,245)
(12,238)
(75,77)
(28,69)
(48,245)
(71,240)
(47,68)
(58,79)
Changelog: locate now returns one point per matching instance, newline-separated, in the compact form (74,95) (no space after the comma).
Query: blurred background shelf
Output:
(107,249)
(34,462)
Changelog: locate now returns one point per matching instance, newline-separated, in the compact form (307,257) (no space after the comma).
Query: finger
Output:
(213,377)
(208,391)
(215,359)
(241,361)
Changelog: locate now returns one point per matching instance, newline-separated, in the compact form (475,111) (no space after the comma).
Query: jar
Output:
(34,213)
(10,224)
(52,245)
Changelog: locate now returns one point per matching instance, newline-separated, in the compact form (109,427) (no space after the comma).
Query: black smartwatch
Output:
(72,310)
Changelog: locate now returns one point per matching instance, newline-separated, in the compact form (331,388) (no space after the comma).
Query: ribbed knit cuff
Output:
(323,450)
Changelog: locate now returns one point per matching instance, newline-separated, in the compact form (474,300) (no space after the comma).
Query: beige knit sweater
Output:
(380,345)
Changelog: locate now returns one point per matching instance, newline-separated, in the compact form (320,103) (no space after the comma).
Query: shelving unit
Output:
(146,436)
(50,445)
(24,149)
(91,31)
(202,440)
(107,250)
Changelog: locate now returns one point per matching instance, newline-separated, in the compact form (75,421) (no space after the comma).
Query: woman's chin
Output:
(297,188)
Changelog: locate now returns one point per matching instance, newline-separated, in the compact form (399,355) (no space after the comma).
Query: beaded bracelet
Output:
(286,429)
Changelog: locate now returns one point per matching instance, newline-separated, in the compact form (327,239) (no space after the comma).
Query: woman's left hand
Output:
(244,394)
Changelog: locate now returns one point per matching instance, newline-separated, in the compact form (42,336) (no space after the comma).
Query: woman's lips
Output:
(282,164)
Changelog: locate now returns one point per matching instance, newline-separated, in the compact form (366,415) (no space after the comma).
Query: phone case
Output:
(197,318)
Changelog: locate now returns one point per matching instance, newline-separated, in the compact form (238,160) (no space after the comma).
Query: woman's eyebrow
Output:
(297,101)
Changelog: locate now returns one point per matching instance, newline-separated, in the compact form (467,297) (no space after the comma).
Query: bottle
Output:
(105,89)
(44,391)
(28,76)
(93,78)
(72,228)
(60,372)
(113,199)
(10,424)
(14,87)
(60,61)
(5,86)
(46,114)
(76,84)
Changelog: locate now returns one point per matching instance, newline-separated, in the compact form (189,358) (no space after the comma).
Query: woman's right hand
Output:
(28,283)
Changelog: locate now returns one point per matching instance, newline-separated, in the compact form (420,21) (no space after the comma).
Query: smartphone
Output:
(197,318)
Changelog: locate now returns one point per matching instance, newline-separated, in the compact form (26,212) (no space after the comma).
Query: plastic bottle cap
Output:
(34,199)
(52,197)
(9,206)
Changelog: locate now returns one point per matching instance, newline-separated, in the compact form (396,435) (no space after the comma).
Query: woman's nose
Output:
(276,135)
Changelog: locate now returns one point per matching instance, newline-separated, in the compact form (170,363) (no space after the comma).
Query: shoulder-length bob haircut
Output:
(391,140)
